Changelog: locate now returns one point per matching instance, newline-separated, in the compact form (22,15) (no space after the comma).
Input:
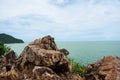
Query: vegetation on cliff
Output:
(77,68)
(5,38)
(3,49)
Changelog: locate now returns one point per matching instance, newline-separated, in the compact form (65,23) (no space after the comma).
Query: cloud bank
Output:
(66,20)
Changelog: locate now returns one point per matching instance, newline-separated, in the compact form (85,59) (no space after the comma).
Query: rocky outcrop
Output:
(106,69)
(46,42)
(40,60)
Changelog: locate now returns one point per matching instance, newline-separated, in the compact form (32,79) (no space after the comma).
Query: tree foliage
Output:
(5,38)
(3,49)
(78,68)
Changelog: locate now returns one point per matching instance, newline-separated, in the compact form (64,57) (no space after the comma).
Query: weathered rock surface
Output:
(46,42)
(7,69)
(8,60)
(40,60)
(44,73)
(12,74)
(106,69)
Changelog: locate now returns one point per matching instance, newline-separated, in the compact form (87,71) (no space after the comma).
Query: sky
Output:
(65,20)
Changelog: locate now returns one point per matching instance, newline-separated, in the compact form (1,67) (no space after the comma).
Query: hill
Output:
(5,38)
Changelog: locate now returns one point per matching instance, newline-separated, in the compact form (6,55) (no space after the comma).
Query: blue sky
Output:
(65,20)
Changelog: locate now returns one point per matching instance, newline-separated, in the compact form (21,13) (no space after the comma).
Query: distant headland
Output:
(5,38)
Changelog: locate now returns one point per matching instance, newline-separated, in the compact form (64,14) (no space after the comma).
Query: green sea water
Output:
(84,52)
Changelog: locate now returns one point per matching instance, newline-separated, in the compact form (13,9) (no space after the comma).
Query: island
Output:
(5,38)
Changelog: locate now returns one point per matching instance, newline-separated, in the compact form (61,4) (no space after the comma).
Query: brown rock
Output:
(64,51)
(40,60)
(37,54)
(106,69)
(9,57)
(7,69)
(8,60)
(9,75)
(32,56)
(44,73)
(69,76)
(46,42)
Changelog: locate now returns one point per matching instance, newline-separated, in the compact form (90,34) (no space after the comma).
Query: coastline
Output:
(86,52)
(43,60)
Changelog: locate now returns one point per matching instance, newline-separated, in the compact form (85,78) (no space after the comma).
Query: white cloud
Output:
(61,1)
(76,18)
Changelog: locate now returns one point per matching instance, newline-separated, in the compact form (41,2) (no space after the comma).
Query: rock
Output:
(46,57)
(54,59)
(40,60)
(41,57)
(35,55)
(69,76)
(9,75)
(7,67)
(10,57)
(64,51)
(106,69)
(46,42)
(8,60)
(44,73)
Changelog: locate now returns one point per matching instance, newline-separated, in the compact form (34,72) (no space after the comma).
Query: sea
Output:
(84,52)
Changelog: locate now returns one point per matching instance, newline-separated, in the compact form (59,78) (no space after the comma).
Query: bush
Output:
(3,49)
(78,68)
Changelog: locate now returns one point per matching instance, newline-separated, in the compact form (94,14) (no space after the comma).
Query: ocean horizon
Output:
(85,52)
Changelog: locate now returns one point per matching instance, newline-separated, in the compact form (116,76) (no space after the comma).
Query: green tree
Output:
(78,68)
(3,49)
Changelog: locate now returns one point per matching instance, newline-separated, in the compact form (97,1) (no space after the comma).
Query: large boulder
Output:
(106,69)
(46,42)
(55,60)
(42,60)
